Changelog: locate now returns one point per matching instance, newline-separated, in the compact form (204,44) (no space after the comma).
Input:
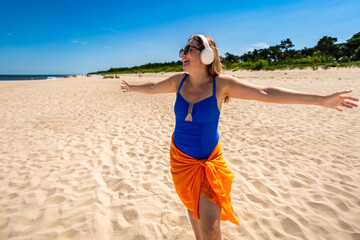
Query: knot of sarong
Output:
(202,162)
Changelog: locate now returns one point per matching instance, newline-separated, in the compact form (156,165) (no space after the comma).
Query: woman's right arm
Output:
(168,85)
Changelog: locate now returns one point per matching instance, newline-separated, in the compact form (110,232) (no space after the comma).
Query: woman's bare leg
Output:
(195,225)
(209,219)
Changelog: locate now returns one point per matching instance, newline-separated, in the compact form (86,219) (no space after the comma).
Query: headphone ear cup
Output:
(207,56)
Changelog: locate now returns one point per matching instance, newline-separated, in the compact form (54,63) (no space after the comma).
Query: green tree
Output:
(308,52)
(255,55)
(275,53)
(286,44)
(352,45)
(246,57)
(265,54)
(231,58)
(356,55)
(326,46)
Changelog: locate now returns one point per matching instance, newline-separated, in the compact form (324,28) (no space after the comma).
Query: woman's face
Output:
(192,59)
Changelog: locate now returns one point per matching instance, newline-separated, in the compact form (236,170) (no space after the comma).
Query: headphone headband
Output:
(205,41)
(207,54)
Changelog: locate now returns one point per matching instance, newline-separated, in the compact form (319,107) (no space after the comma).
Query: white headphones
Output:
(207,54)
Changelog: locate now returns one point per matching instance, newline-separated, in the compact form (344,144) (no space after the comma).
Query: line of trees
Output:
(326,53)
(149,67)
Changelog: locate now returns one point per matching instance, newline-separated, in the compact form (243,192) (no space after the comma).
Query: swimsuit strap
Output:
(182,81)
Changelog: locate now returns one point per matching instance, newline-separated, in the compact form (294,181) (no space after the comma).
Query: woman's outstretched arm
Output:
(166,86)
(234,88)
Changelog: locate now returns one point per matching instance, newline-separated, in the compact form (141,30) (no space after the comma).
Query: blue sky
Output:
(78,36)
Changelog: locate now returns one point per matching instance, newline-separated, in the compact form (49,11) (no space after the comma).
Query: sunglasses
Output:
(186,50)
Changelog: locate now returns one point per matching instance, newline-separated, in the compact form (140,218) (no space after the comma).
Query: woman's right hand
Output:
(125,87)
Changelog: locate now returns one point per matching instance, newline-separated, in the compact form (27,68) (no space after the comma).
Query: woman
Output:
(201,178)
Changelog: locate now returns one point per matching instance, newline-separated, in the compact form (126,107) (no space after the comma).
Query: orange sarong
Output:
(192,176)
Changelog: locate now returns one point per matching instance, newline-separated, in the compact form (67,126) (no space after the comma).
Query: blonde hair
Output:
(215,68)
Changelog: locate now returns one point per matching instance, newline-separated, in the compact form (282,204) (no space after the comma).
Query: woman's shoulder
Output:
(225,82)
(178,77)
(223,79)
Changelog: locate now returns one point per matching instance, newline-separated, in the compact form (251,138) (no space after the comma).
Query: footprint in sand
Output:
(116,227)
(322,209)
(131,215)
(69,234)
(139,237)
(11,196)
(262,187)
(291,227)
(257,200)
(131,154)
(123,189)
(295,184)
(55,200)
(306,179)
(340,204)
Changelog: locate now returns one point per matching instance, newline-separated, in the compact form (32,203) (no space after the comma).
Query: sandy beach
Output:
(79,159)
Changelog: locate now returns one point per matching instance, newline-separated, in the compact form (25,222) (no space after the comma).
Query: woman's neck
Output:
(199,77)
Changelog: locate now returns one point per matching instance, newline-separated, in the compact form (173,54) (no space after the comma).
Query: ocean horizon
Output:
(24,77)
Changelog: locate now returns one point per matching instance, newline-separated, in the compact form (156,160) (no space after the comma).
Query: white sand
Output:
(79,159)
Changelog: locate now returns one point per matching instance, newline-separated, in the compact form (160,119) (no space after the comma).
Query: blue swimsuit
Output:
(196,138)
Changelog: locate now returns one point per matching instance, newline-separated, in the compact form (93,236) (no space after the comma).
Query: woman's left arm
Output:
(236,89)
(333,101)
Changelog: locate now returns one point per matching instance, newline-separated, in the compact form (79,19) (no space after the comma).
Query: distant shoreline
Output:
(26,77)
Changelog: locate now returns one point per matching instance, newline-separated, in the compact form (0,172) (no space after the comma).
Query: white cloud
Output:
(78,42)
(257,45)
(260,45)
(106,47)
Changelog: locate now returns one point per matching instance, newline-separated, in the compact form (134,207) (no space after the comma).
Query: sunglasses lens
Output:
(186,50)
(180,52)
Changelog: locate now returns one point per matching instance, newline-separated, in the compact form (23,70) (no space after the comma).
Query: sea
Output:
(32,77)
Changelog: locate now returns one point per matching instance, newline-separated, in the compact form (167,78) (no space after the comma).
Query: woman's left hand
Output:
(338,99)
